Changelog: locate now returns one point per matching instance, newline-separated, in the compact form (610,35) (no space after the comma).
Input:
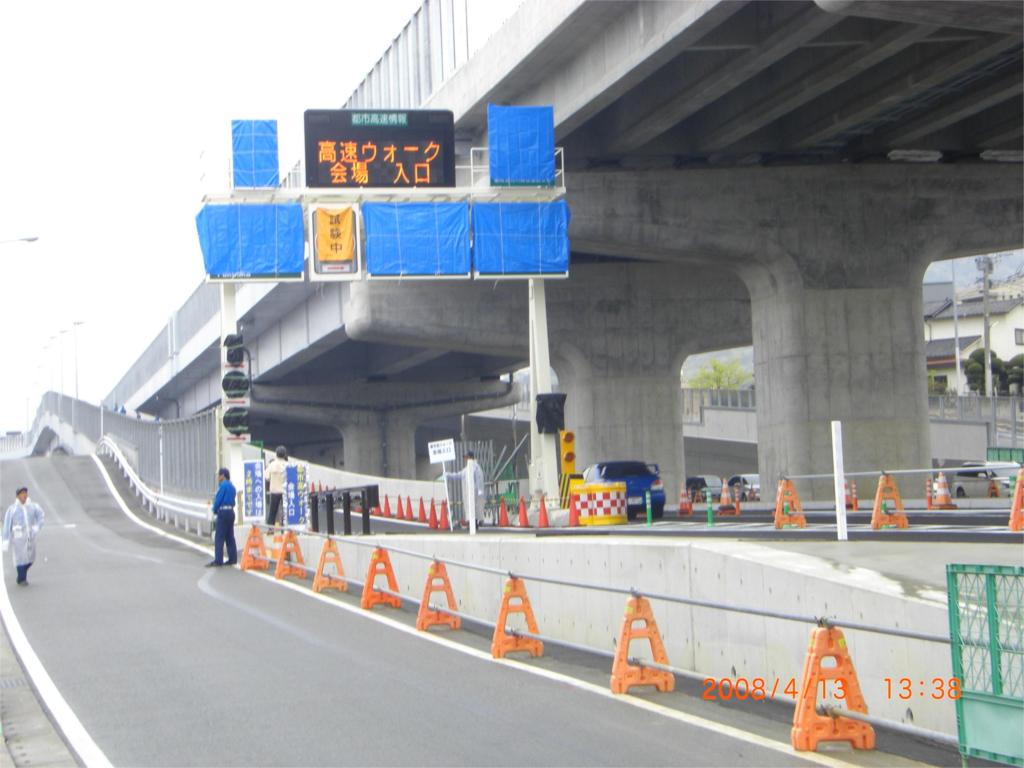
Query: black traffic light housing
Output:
(235,351)
(550,413)
(236,420)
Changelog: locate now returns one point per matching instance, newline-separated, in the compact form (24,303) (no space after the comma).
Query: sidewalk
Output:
(29,737)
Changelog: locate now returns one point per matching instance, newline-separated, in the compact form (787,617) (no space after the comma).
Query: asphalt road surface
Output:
(166,662)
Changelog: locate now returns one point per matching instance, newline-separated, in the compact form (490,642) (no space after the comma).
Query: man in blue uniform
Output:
(224,513)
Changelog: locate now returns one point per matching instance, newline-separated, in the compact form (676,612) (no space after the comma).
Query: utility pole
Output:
(984,263)
(956,332)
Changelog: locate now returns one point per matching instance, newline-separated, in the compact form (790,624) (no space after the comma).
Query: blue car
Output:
(638,477)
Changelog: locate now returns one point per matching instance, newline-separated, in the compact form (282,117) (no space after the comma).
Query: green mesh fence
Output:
(986,623)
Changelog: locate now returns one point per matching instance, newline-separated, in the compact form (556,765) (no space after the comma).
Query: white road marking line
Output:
(683,717)
(70,726)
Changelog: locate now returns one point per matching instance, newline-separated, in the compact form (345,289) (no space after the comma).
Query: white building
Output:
(1006,333)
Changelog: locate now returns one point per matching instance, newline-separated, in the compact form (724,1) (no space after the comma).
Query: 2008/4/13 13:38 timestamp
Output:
(908,688)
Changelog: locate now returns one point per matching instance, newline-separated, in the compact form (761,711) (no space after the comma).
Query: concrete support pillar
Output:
(850,354)
(629,417)
(364,445)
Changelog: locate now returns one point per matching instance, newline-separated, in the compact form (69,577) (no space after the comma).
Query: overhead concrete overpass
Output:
(736,173)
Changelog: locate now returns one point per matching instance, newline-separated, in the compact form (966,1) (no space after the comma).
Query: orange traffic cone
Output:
(387,506)
(423,511)
(524,521)
(685,503)
(574,511)
(445,526)
(993,489)
(1016,517)
(929,488)
(725,505)
(433,517)
(542,514)
(503,514)
(943,499)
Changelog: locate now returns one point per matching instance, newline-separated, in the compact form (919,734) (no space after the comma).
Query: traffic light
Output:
(236,387)
(235,384)
(234,352)
(236,420)
(567,452)
(550,413)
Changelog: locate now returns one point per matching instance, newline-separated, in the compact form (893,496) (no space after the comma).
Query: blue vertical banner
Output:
(255,491)
(296,494)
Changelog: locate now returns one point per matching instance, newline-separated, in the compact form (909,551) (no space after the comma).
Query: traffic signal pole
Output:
(231,450)
(543,447)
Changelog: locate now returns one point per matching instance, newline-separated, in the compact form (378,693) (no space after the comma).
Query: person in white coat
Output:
(22,523)
(473,496)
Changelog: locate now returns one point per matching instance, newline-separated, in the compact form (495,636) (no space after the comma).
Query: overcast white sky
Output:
(107,109)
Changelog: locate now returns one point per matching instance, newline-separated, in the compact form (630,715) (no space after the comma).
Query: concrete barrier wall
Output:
(712,642)
(959,440)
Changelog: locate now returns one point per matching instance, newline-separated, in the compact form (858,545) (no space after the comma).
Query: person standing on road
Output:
(22,523)
(224,512)
(275,481)
(473,496)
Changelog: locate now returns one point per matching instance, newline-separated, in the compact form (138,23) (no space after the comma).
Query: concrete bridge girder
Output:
(377,421)
(833,259)
(619,334)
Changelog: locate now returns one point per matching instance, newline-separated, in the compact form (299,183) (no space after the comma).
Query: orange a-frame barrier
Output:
(810,728)
(888,491)
(626,675)
(437,581)
(787,495)
(504,642)
(254,544)
(380,565)
(321,581)
(286,567)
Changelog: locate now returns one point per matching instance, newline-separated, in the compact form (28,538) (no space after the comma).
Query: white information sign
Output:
(441,451)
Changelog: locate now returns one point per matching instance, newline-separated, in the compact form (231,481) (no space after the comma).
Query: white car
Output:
(974,479)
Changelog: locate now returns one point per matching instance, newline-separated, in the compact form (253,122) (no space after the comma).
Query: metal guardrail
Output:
(171,509)
(632,592)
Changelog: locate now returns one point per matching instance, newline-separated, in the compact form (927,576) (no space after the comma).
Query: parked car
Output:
(638,477)
(974,478)
(699,484)
(749,486)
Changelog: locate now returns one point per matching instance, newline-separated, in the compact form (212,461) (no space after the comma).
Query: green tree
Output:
(718,375)
(1015,372)
(974,369)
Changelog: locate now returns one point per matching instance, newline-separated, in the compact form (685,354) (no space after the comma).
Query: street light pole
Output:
(74,403)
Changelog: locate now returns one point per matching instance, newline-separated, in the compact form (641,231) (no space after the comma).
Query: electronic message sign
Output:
(352,148)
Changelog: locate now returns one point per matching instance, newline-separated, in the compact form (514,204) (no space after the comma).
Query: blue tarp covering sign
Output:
(254,153)
(413,239)
(264,240)
(255,491)
(521,145)
(521,238)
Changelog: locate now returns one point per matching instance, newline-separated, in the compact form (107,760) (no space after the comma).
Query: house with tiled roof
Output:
(1006,332)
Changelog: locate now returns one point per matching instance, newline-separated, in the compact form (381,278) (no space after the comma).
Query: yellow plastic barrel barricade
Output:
(602,504)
